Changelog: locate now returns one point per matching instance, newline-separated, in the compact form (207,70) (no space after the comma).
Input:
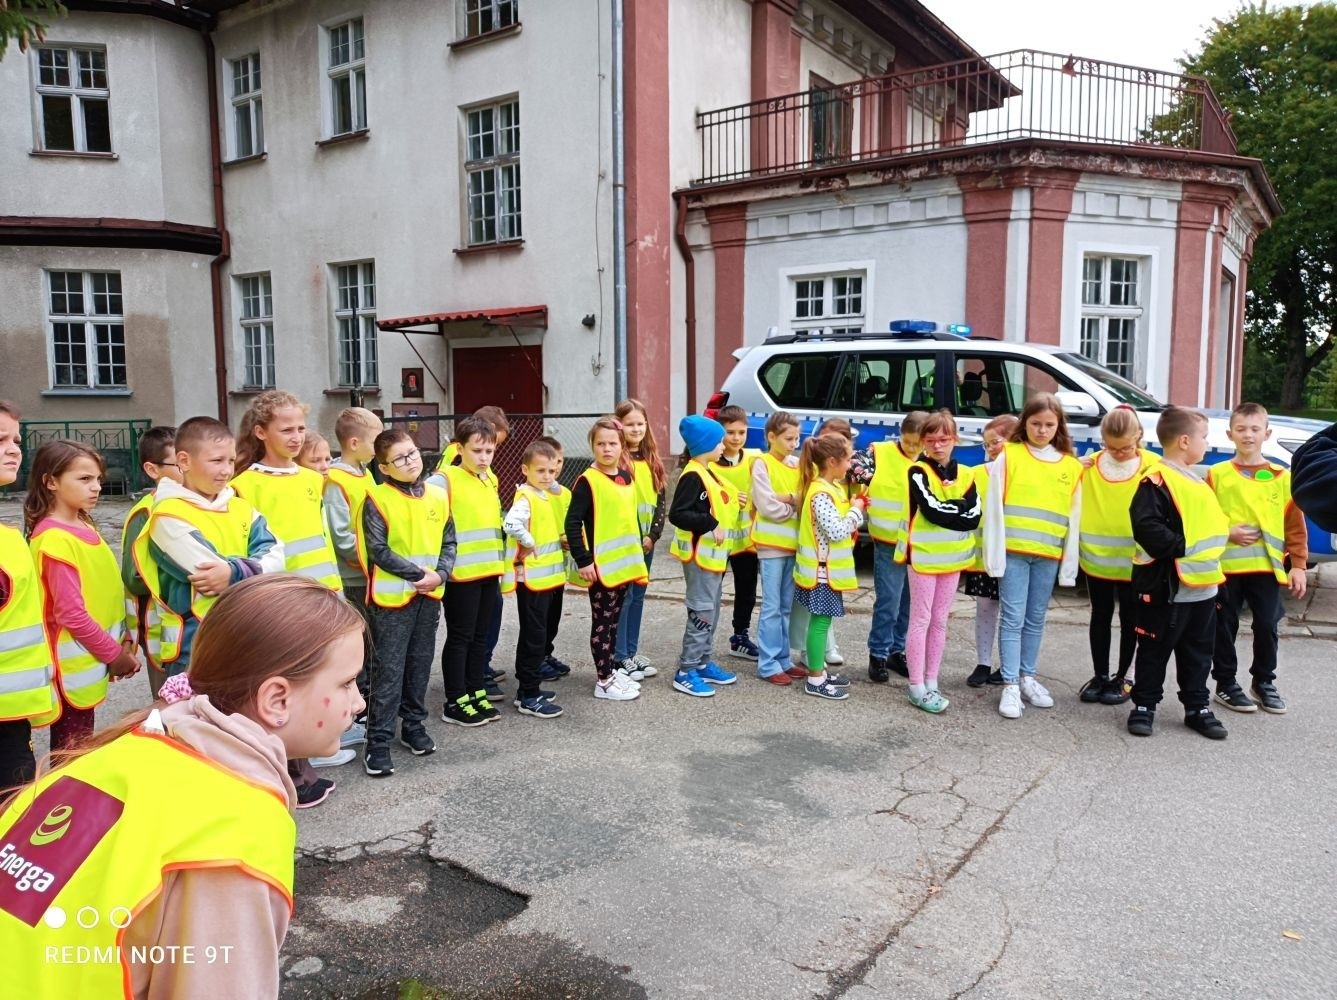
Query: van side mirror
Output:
(1079,406)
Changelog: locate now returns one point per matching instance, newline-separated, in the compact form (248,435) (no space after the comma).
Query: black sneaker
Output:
(492,675)
(979,676)
(463,713)
(878,671)
(1117,691)
(897,665)
(542,696)
(377,763)
(418,741)
(1265,694)
(556,665)
(315,793)
(1141,720)
(482,700)
(1092,689)
(1234,698)
(491,692)
(1203,721)
(996,679)
(539,708)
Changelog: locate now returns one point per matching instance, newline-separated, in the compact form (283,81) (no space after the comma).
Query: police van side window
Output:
(799,381)
(886,383)
(988,385)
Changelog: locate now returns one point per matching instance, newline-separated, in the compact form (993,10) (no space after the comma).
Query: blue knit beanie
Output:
(700,434)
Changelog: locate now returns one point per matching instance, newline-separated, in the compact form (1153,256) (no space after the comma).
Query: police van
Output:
(873,379)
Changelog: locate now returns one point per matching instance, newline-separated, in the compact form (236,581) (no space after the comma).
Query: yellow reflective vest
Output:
(739,479)
(1037,501)
(840,555)
(619,557)
(292,504)
(27,677)
(354,488)
(1206,528)
(86,847)
(545,566)
(448,456)
(414,528)
(929,548)
(150,624)
(707,553)
(561,500)
(784,480)
(1105,539)
(81,675)
(888,492)
(476,508)
(1261,503)
(647,497)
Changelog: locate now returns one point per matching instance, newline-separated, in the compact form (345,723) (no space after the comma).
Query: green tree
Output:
(1274,71)
(18,23)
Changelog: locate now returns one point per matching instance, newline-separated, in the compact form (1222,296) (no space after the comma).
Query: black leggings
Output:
(744,566)
(1104,595)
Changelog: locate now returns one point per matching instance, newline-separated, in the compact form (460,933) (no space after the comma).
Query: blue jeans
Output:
(891,603)
(1023,594)
(777,597)
(629,622)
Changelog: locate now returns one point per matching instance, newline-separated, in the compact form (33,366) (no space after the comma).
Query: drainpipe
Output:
(225,251)
(689,296)
(620,376)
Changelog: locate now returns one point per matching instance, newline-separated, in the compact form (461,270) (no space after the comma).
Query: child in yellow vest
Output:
(775,498)
(734,468)
(1180,534)
(1105,549)
(553,668)
(83,601)
(408,557)
(1268,550)
(535,572)
(977,582)
(651,481)
(1031,518)
(33,701)
(824,562)
(157,459)
(704,514)
(942,513)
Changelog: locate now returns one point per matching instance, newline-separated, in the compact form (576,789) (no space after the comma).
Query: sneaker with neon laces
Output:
(645,666)
(417,740)
(614,688)
(335,759)
(462,712)
(742,646)
(539,708)
(932,702)
(712,674)
(1036,693)
(825,689)
(1009,703)
(690,682)
(633,672)
(483,702)
(353,735)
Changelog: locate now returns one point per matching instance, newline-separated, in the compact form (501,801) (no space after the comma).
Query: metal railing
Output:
(1017,95)
(116,440)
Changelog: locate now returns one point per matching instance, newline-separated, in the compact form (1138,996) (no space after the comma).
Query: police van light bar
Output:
(912,326)
(960,329)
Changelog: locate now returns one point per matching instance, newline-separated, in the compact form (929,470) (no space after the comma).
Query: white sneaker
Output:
(334,760)
(627,679)
(616,690)
(834,658)
(799,658)
(1009,705)
(632,669)
(1034,692)
(646,668)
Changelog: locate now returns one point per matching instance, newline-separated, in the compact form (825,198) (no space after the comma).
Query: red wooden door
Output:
(509,377)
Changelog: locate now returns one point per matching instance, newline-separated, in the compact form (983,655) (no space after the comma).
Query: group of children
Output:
(1179,556)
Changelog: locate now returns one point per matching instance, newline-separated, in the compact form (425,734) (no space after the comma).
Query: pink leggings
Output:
(931,599)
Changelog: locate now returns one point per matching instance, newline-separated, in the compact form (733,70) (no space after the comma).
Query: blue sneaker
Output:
(712,674)
(548,672)
(689,682)
(837,680)
(539,708)
(742,646)
(541,696)
(561,668)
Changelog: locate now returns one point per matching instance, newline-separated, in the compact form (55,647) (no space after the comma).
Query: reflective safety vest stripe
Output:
(81,675)
(414,528)
(545,566)
(647,497)
(934,550)
(96,837)
(1037,498)
(888,492)
(739,479)
(149,623)
(476,508)
(784,481)
(707,553)
(1105,543)
(840,555)
(355,489)
(292,504)
(228,531)
(448,456)
(1206,528)
(27,685)
(981,473)
(618,555)
(1261,503)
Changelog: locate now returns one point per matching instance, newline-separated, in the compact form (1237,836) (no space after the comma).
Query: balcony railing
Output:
(1017,95)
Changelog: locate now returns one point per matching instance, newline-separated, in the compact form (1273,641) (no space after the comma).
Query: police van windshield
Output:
(1121,389)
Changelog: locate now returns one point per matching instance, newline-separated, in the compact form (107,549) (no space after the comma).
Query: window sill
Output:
(487,36)
(248,390)
(243,160)
(74,390)
(335,140)
(489,248)
(344,390)
(73,154)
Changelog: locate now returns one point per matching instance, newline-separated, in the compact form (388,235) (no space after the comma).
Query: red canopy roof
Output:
(530,316)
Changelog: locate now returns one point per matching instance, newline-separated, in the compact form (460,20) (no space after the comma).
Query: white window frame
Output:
(473,12)
(1102,313)
(356,347)
(75,91)
(352,67)
(830,321)
(90,318)
(492,157)
(255,325)
(248,103)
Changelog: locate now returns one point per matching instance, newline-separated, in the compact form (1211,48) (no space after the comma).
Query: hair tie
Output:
(176,688)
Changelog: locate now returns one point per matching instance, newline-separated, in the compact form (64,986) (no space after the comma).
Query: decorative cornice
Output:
(199,20)
(133,234)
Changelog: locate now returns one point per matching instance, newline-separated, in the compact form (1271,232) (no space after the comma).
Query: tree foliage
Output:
(1274,70)
(19,22)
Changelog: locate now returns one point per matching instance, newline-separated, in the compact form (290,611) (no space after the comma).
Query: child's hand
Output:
(211,578)
(588,573)
(1244,534)
(647,544)
(521,554)
(860,501)
(743,499)
(566,546)
(718,535)
(1088,460)
(126,664)
(430,580)
(1299,584)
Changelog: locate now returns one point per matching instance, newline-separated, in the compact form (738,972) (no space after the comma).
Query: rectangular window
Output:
(832,120)
(257,331)
(492,172)
(1111,324)
(72,100)
(482,16)
(248,120)
(355,323)
(829,304)
(886,383)
(86,320)
(348,77)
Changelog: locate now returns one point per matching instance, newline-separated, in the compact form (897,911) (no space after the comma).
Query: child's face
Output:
(1121,449)
(11,451)
(783,443)
(317,458)
(403,462)
(284,435)
(561,461)
(735,433)
(1041,428)
(938,446)
(541,472)
(320,708)
(501,439)
(79,486)
(607,448)
(476,453)
(634,426)
(836,468)
(165,468)
(706,457)
(359,449)
(993,444)
(1193,445)
(209,468)
(1248,433)
(911,443)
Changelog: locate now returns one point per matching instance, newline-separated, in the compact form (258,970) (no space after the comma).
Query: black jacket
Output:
(1159,529)
(1314,478)
(954,515)
(691,506)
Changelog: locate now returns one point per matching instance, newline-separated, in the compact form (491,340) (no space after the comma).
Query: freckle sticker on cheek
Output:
(327,703)
(320,725)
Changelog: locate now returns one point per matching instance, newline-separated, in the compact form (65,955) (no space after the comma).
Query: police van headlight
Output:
(1290,444)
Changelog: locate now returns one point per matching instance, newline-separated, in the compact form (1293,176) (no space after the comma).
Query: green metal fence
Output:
(116,440)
